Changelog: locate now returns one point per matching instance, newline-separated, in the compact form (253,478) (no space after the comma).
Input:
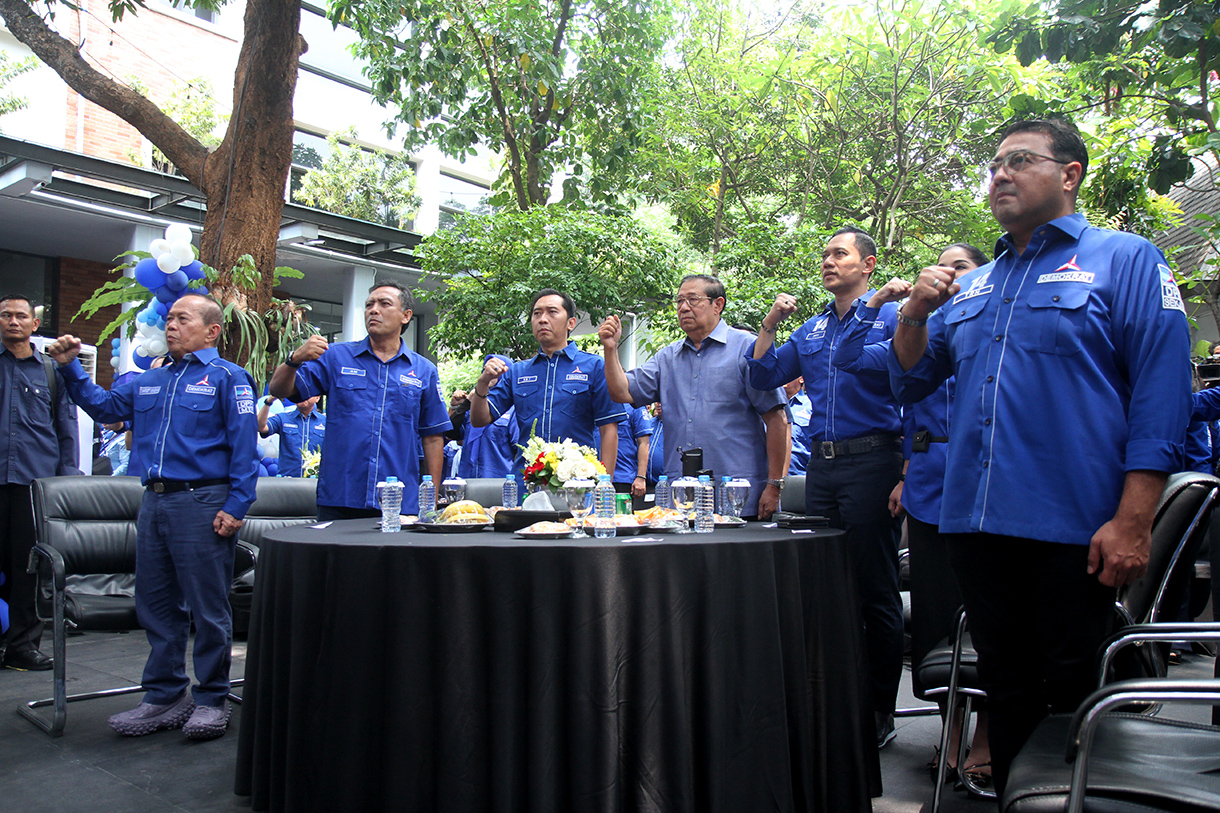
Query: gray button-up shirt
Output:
(30,446)
(707,401)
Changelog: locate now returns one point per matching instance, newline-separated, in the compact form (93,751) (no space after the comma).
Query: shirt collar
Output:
(568,350)
(1072,225)
(367,347)
(204,355)
(864,297)
(37,355)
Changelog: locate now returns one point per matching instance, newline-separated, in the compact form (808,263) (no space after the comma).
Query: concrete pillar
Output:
(356,283)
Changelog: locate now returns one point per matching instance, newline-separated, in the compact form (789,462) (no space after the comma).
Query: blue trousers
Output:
(184,569)
(853,492)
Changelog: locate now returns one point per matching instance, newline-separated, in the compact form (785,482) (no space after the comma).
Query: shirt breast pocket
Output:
(191,410)
(407,400)
(146,413)
(965,327)
(1058,314)
(575,401)
(351,393)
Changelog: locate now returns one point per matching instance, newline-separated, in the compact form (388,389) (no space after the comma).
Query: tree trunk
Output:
(243,180)
(244,177)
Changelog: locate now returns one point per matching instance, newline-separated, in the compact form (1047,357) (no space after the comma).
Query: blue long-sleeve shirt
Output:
(843,405)
(33,445)
(1072,369)
(191,420)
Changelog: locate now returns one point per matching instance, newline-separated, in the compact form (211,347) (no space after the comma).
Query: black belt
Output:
(830,449)
(923,439)
(167,486)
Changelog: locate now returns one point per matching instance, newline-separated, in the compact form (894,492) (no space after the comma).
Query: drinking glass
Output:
(683,493)
(579,494)
(453,489)
(735,493)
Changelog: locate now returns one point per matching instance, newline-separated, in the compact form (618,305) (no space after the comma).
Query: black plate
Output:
(452,527)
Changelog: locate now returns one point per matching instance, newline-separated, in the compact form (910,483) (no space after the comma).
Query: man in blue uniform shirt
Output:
(855,455)
(383,400)
(489,451)
(301,430)
(559,393)
(707,399)
(39,439)
(799,412)
(1073,395)
(194,425)
(631,468)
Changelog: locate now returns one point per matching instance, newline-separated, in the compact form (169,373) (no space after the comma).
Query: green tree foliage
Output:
(552,84)
(487,270)
(10,69)
(363,183)
(879,114)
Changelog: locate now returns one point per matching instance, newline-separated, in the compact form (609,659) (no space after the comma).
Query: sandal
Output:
(980,775)
(933,767)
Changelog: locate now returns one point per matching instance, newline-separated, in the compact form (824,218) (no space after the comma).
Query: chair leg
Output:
(947,726)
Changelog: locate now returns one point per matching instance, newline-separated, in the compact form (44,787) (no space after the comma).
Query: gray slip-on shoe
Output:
(208,722)
(147,718)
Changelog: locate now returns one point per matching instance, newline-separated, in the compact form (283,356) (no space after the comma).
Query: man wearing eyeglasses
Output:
(855,454)
(1073,394)
(706,397)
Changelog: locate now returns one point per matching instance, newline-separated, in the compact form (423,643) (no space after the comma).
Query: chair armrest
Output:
(1146,633)
(250,549)
(1094,708)
(54,558)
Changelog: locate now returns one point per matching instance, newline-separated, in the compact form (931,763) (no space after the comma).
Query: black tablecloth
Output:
(484,673)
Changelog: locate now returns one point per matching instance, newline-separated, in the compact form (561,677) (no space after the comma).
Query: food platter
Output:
(527,534)
(452,527)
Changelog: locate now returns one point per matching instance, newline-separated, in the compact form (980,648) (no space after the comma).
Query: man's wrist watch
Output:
(906,320)
(777,483)
(292,363)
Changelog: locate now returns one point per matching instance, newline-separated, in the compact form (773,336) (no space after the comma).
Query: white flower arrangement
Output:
(555,462)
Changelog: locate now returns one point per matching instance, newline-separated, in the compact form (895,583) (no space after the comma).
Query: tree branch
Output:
(62,56)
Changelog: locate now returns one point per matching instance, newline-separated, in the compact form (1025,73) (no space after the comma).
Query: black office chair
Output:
(1183,517)
(1105,760)
(85,559)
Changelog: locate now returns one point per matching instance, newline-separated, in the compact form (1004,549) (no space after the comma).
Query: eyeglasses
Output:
(679,301)
(1017,160)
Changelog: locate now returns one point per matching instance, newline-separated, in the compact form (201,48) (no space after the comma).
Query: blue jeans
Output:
(853,492)
(184,569)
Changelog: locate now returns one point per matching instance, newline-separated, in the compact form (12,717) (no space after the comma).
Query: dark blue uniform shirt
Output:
(191,420)
(32,446)
(298,433)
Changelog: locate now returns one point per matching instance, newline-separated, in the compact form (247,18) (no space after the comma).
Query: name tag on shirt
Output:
(577,377)
(149,390)
(199,389)
(351,371)
(410,381)
(527,379)
(972,293)
(1067,276)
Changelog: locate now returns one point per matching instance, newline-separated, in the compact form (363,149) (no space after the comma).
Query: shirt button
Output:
(986,463)
(1054,299)
(1007,299)
(999,338)
(991,378)
(987,422)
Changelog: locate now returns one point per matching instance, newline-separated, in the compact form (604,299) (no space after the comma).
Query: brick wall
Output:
(162,50)
(78,279)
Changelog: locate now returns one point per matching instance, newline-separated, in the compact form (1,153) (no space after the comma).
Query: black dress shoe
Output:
(29,660)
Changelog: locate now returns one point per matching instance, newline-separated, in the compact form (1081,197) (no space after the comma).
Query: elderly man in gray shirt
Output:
(705,394)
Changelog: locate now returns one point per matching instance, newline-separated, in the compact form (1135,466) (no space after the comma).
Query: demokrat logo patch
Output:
(201,387)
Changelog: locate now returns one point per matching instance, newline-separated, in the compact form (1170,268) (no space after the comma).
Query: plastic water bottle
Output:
(391,505)
(603,505)
(722,494)
(508,494)
(705,505)
(661,495)
(427,499)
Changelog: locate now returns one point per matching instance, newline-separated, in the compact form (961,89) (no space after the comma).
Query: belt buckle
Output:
(828,449)
(159,487)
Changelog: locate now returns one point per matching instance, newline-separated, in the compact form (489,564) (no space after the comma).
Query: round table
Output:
(483,672)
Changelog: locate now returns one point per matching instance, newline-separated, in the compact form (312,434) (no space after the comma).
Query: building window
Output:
(34,278)
(206,14)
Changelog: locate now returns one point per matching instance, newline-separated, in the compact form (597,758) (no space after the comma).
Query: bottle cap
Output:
(603,478)
(427,478)
(703,478)
(509,477)
(391,479)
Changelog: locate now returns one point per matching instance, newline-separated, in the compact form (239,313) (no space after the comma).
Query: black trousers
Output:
(935,597)
(1037,618)
(853,492)
(16,539)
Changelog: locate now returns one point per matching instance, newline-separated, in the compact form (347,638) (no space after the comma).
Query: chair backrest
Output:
(90,520)
(793,498)
(280,502)
(1182,521)
(486,491)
